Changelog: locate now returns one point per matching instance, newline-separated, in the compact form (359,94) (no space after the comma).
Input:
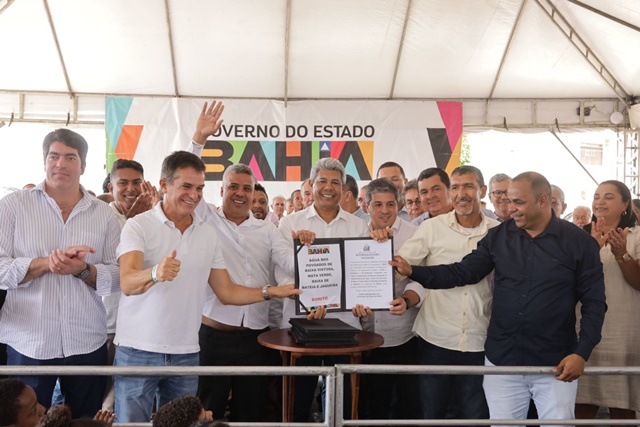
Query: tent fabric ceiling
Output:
(318,49)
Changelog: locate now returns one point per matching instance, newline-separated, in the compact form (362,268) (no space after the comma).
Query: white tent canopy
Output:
(518,63)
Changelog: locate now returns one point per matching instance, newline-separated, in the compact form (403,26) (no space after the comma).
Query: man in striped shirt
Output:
(57,258)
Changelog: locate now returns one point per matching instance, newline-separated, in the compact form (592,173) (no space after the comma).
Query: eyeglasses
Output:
(410,202)
(498,193)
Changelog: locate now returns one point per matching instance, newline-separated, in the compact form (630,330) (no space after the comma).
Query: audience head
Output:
(69,138)
(60,416)
(349,201)
(498,185)
(288,207)
(306,189)
(411,197)
(65,154)
(181,412)
(237,191)
(467,189)
(125,181)
(277,205)
(557,201)
(382,198)
(635,205)
(19,405)
(394,172)
(181,182)
(530,202)
(328,177)
(296,200)
(612,201)
(433,185)
(362,199)
(581,216)
(105,183)
(260,205)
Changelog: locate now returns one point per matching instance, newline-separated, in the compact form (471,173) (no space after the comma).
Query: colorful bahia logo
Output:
(286,160)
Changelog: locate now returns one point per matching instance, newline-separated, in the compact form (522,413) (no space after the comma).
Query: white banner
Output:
(282,143)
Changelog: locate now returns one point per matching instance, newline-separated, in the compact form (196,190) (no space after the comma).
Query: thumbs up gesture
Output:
(168,269)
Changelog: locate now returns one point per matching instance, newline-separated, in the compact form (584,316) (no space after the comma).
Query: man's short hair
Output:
(293,194)
(183,411)
(238,168)
(259,187)
(390,165)
(499,177)
(381,185)
(539,184)
(124,164)
(178,160)
(352,186)
(467,169)
(105,183)
(429,172)
(10,391)
(410,185)
(68,138)
(327,164)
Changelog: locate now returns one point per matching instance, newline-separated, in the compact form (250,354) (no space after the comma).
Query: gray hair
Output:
(328,164)
(239,168)
(559,190)
(499,177)
(411,185)
(381,185)
(468,169)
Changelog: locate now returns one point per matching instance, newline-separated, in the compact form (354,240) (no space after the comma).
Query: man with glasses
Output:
(498,185)
(411,198)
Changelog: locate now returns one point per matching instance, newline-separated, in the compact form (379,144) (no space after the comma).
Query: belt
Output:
(221,326)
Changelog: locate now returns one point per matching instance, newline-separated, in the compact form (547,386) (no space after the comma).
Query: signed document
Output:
(341,273)
(368,275)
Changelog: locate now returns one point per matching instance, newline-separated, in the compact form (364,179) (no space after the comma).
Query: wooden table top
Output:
(281,339)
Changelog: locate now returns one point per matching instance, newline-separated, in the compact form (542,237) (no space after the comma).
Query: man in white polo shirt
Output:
(167,256)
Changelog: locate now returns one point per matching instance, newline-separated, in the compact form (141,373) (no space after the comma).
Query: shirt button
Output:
(524,296)
(520,313)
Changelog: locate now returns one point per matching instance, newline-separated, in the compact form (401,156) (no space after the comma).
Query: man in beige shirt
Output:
(452,324)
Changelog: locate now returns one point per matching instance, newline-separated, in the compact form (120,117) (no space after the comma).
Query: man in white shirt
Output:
(132,195)
(395,173)
(278,205)
(228,334)
(349,201)
(391,396)
(498,185)
(452,324)
(167,257)
(326,219)
(57,258)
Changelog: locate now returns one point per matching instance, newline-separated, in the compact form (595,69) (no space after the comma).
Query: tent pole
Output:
(553,132)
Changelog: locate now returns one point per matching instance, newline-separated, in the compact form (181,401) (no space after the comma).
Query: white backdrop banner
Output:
(281,143)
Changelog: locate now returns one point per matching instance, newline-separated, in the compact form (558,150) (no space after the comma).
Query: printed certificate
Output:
(341,273)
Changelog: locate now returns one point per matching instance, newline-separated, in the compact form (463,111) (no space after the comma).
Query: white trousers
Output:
(508,396)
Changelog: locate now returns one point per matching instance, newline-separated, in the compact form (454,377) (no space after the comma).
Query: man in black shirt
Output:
(543,267)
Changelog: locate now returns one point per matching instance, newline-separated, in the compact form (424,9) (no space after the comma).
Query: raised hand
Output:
(208,122)
(597,231)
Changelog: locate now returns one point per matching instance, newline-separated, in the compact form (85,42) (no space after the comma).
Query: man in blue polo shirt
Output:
(543,267)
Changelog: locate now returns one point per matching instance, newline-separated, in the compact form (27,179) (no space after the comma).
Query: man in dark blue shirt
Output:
(543,267)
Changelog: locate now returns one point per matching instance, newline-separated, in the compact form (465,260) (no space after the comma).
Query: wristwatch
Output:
(624,258)
(406,301)
(84,273)
(265,292)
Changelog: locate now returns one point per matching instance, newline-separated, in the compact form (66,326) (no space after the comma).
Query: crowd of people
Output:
(160,277)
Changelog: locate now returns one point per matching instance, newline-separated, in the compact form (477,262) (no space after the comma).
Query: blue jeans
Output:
(134,395)
(83,394)
(451,396)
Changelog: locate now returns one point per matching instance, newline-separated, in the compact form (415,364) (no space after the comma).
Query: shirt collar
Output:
(311,212)
(159,213)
